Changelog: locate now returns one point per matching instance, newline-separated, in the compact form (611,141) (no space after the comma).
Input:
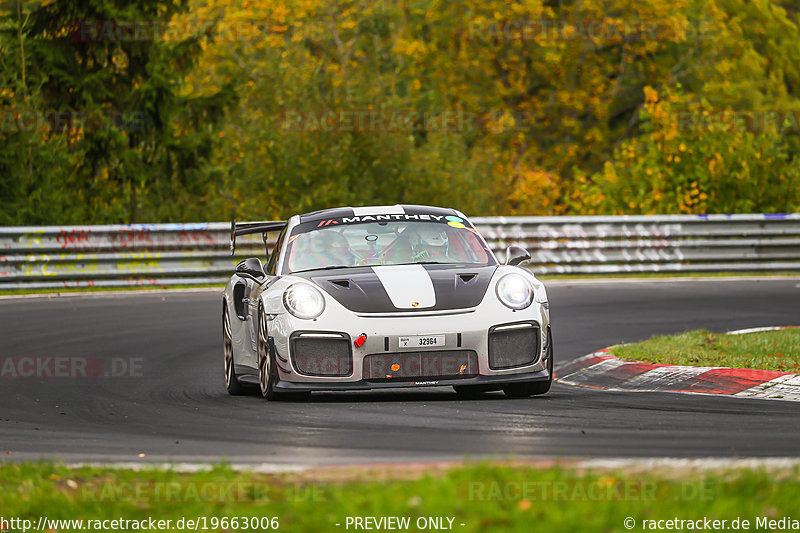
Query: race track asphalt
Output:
(175,407)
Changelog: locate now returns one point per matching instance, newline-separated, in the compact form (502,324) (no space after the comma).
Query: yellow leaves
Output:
(348,24)
(533,191)
(609,172)
(280,12)
(650,95)
(408,47)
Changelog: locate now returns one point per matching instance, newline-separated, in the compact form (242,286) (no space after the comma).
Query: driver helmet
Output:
(431,239)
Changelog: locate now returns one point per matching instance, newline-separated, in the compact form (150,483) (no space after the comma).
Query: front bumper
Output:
(287,386)
(464,331)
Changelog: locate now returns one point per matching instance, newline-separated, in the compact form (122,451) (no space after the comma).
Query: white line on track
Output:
(191,467)
(610,463)
(676,279)
(708,463)
(755,330)
(106,294)
(548,282)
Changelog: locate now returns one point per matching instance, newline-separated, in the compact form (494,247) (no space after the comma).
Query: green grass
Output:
(484,497)
(769,350)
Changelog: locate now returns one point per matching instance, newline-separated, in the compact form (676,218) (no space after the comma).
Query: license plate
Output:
(422,341)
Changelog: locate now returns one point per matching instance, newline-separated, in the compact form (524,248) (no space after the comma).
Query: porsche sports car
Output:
(359,298)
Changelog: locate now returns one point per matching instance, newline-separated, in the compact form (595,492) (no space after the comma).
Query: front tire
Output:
(266,376)
(231,379)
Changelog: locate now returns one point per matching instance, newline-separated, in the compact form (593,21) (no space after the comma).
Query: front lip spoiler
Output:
(541,375)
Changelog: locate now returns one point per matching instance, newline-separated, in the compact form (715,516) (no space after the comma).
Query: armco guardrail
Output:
(175,254)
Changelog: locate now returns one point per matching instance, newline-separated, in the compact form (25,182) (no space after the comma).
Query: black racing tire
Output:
(533,388)
(232,384)
(266,374)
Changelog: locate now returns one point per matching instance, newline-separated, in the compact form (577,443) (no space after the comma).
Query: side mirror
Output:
(252,267)
(516,255)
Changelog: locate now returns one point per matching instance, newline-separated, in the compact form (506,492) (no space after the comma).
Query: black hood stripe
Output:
(361,291)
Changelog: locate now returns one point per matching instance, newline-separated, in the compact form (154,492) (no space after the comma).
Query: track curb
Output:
(604,371)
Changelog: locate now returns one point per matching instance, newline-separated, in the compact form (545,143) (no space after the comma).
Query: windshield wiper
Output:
(331,267)
(424,263)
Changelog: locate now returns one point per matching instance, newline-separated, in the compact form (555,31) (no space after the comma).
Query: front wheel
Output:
(266,377)
(231,379)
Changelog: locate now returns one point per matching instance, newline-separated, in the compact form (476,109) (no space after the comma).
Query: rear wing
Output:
(248,228)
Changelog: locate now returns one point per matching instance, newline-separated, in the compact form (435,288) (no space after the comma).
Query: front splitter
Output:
(541,375)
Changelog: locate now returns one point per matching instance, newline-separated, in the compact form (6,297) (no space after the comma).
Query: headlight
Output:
(304,301)
(515,291)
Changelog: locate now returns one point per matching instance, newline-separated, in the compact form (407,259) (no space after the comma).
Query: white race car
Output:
(382,297)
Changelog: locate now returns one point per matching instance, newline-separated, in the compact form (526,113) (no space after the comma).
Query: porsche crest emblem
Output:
(414,304)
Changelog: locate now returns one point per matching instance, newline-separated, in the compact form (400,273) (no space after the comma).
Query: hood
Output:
(388,289)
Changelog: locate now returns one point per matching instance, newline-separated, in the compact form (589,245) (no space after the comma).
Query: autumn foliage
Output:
(497,108)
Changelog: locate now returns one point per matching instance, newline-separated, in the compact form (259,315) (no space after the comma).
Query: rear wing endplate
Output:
(248,228)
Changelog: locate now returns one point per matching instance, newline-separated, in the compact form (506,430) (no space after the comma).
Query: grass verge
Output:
(482,497)
(768,350)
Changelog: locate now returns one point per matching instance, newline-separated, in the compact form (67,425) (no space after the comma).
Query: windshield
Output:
(450,240)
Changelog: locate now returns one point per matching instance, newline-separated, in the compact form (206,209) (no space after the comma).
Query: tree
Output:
(105,83)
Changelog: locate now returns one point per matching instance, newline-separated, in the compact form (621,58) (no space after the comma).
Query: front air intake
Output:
(321,354)
(411,366)
(513,345)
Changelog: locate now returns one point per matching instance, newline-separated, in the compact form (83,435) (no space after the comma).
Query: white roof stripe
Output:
(379,210)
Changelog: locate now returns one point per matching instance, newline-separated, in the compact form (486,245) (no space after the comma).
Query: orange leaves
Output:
(575,108)
(533,191)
